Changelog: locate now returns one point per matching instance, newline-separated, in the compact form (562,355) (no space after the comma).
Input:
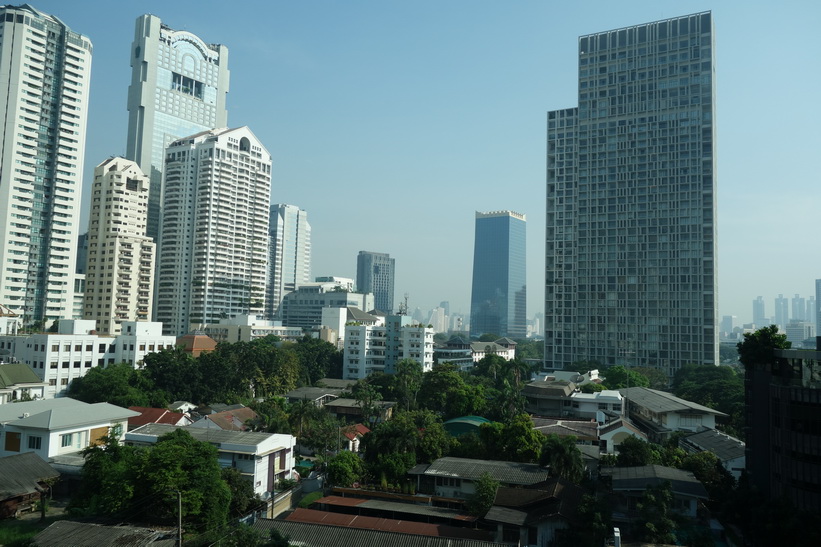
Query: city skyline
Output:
(339,83)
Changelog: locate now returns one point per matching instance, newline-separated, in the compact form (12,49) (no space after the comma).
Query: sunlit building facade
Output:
(375,274)
(630,273)
(289,260)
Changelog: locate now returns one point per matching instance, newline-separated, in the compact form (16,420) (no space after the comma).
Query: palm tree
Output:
(563,458)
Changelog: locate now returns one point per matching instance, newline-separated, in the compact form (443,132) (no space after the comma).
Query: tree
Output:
(591,387)
(118,384)
(654,511)
(484,495)
(514,441)
(488,337)
(656,378)
(563,458)
(619,377)
(445,392)
(757,347)
(243,498)
(316,359)
(407,382)
(345,468)
(716,387)
(634,452)
(367,397)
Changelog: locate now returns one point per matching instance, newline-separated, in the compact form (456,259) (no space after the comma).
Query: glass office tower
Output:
(179,85)
(630,275)
(375,274)
(289,255)
(498,301)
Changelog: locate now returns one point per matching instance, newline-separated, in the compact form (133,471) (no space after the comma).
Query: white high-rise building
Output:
(120,263)
(289,260)
(377,348)
(44,80)
(213,249)
(178,87)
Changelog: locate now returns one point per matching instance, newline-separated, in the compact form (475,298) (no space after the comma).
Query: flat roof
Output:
(504,472)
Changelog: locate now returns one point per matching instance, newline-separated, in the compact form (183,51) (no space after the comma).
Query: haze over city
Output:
(391,124)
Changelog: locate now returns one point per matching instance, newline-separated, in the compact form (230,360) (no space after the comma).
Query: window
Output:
(67,347)
(65,440)
(55,347)
(63,381)
(76,364)
(52,382)
(35,443)
(78,347)
(53,364)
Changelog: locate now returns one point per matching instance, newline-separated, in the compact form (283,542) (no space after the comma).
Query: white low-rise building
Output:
(373,348)
(58,358)
(244,328)
(54,427)
(262,458)
(595,405)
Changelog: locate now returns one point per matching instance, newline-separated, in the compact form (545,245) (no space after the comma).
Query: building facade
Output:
(377,348)
(178,87)
(213,250)
(45,77)
(289,259)
(630,273)
(375,274)
(303,307)
(498,299)
(759,313)
(120,257)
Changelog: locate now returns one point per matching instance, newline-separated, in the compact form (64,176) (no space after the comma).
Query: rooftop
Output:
(723,446)
(19,474)
(639,478)
(661,401)
(61,412)
(17,373)
(213,436)
(504,472)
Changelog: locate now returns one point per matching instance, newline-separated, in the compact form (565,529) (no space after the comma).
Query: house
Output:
(234,419)
(456,477)
(23,477)
(729,450)
(156,416)
(52,427)
(531,516)
(659,413)
(585,431)
(354,435)
(598,406)
(612,433)
(628,484)
(18,381)
(549,398)
(317,395)
(503,349)
(456,351)
(263,458)
(351,410)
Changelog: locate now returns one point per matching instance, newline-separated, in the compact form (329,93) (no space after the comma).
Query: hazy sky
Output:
(391,123)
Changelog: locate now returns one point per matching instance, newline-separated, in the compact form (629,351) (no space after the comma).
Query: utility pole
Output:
(179,518)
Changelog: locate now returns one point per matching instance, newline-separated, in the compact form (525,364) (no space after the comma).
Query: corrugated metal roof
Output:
(249,438)
(723,446)
(81,534)
(320,529)
(641,477)
(19,474)
(397,507)
(504,472)
(661,401)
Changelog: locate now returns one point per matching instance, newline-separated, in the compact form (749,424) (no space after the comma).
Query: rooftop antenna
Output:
(403,308)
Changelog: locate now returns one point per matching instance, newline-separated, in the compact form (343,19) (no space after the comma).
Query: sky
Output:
(392,123)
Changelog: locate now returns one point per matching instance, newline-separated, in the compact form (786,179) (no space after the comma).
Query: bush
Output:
(306,502)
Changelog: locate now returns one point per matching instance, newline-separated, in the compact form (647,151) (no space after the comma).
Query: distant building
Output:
(799,308)
(759,317)
(289,259)
(213,249)
(371,348)
(18,382)
(659,414)
(179,85)
(498,301)
(375,274)
(817,310)
(797,331)
(245,328)
(303,307)
(120,268)
(58,358)
(782,311)
(46,77)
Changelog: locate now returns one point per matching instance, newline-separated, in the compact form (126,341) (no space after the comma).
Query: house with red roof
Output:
(156,416)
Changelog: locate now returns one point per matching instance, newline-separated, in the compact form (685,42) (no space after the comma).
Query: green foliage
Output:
(707,468)
(563,458)
(634,452)
(656,378)
(489,337)
(317,358)
(367,397)
(483,497)
(345,468)
(591,387)
(408,382)
(272,416)
(595,527)
(243,498)
(445,392)
(527,349)
(655,514)
(619,377)
(717,387)
(757,347)
(118,384)
(306,501)
(514,441)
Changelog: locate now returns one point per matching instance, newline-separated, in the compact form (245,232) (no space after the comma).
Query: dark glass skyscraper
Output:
(374,274)
(498,301)
(630,275)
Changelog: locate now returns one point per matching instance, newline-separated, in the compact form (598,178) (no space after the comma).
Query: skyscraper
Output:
(213,250)
(759,318)
(44,81)
(120,263)
(178,87)
(498,299)
(374,274)
(630,235)
(818,306)
(782,311)
(289,259)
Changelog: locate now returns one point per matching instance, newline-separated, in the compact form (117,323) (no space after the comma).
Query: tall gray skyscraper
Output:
(631,229)
(498,297)
(374,274)
(289,258)
(782,311)
(178,87)
(45,71)
(759,316)
(818,306)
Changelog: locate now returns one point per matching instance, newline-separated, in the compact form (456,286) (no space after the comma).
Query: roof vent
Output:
(25,414)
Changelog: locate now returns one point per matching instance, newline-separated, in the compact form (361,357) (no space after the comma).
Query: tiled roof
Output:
(232,420)
(639,478)
(661,401)
(337,530)
(504,472)
(154,416)
(356,431)
(723,446)
(19,474)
